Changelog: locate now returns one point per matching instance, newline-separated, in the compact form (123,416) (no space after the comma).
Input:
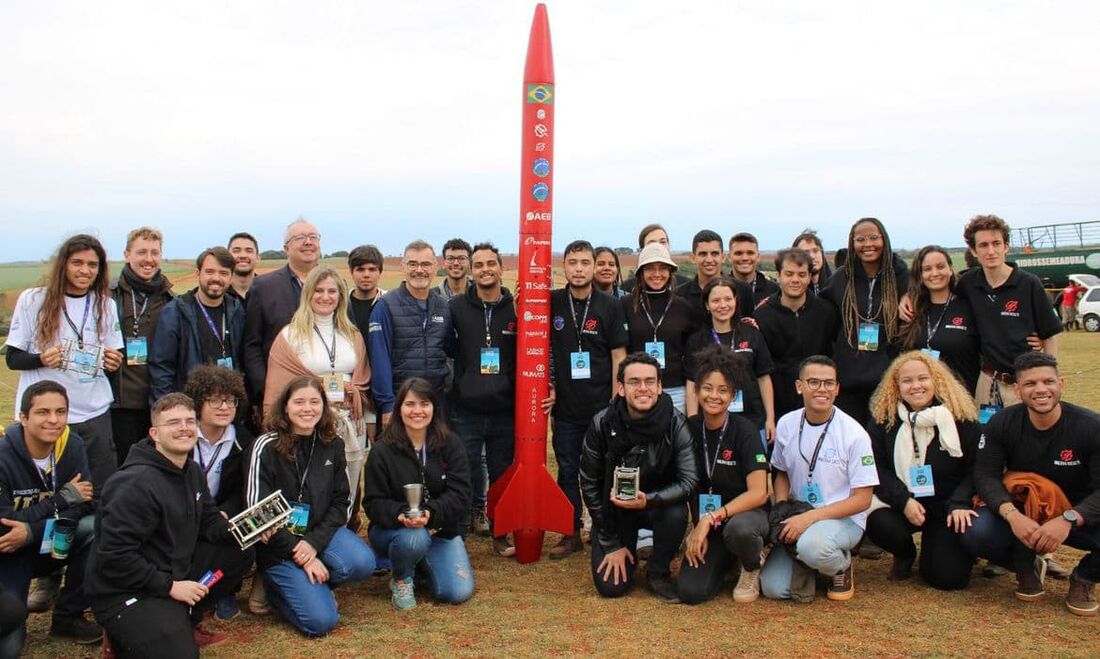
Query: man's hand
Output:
(268,534)
(1022,526)
(316,571)
(914,512)
(112,359)
(697,543)
(637,503)
(548,402)
(1050,535)
(16,538)
(303,553)
(51,357)
(386,416)
(613,565)
(795,526)
(1034,342)
(415,523)
(905,309)
(84,488)
(188,592)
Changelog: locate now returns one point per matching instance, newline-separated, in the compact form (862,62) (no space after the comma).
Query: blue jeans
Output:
(493,434)
(444,560)
(826,547)
(568,438)
(311,607)
(990,537)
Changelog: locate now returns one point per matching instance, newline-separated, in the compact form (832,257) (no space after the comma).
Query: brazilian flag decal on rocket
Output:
(540,94)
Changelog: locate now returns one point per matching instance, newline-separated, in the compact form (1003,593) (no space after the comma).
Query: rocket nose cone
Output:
(540,57)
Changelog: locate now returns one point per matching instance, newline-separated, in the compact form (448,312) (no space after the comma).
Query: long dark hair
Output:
(49,316)
(849,310)
(438,434)
(279,423)
(919,295)
(618,267)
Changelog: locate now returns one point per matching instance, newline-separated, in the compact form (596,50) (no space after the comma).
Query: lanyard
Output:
(488,311)
(718,340)
(330,351)
(214,328)
(645,308)
(932,329)
(812,463)
(79,331)
(584,318)
(137,314)
(50,469)
(303,475)
(713,462)
(213,458)
(871,296)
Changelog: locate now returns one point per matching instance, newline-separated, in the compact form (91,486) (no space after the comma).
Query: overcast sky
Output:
(387,121)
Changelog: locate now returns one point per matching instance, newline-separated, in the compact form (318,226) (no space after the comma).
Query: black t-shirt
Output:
(674,330)
(1008,314)
(738,453)
(692,292)
(762,288)
(359,310)
(954,333)
(748,344)
(213,334)
(791,337)
(603,329)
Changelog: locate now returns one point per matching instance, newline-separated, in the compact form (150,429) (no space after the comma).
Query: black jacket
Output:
(23,495)
(151,516)
(668,469)
(178,348)
(326,491)
(131,383)
(953,477)
(391,466)
(493,393)
(271,302)
(791,337)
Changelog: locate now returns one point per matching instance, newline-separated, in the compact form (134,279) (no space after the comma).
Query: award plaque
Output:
(248,525)
(626,483)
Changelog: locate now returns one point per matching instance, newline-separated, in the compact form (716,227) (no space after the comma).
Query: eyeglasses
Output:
(814,384)
(299,237)
(874,238)
(219,403)
(638,383)
(456,258)
(419,265)
(176,424)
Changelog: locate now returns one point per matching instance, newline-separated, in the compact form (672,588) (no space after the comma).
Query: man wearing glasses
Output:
(274,298)
(409,331)
(456,261)
(823,464)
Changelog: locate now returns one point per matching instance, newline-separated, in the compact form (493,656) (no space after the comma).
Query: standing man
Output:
(808,242)
(456,261)
(744,261)
(44,484)
(707,255)
(203,326)
(641,430)
(365,264)
(795,325)
(273,299)
(140,293)
(1052,446)
(409,331)
(246,254)
(1069,297)
(587,344)
(482,409)
(822,458)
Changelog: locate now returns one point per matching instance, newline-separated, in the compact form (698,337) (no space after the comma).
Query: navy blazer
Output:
(272,301)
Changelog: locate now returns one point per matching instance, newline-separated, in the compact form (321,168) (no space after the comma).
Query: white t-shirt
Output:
(844,463)
(89,395)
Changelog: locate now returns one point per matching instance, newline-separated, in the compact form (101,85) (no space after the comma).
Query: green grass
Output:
(551,608)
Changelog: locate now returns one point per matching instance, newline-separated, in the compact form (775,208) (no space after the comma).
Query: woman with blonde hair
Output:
(924,432)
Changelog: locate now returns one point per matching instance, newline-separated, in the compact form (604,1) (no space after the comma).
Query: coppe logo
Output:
(535,317)
(540,191)
(541,167)
(544,216)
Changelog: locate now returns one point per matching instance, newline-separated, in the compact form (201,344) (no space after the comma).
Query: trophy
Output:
(270,512)
(626,483)
(414,494)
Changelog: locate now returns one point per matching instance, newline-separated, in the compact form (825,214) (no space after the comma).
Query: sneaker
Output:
(901,570)
(748,586)
(1056,570)
(43,592)
(227,608)
(645,544)
(663,587)
(479,522)
(1081,597)
(75,628)
(567,546)
(206,639)
(404,596)
(992,571)
(503,546)
(1029,583)
(257,597)
(870,551)
(843,586)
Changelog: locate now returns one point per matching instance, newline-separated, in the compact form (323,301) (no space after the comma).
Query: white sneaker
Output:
(748,586)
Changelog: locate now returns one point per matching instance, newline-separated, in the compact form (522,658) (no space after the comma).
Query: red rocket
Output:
(526,501)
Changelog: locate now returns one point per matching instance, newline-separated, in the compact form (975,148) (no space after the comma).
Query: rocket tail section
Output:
(525,501)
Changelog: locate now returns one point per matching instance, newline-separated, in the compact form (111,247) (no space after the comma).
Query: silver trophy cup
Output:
(414,494)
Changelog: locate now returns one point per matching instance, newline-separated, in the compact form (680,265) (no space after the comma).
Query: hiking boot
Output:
(663,587)
(75,628)
(227,608)
(257,597)
(1056,570)
(992,571)
(843,585)
(1029,583)
(901,570)
(479,522)
(870,551)
(404,596)
(567,546)
(43,592)
(206,639)
(1081,598)
(748,586)
(503,546)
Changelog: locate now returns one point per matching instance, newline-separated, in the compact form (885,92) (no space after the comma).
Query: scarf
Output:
(924,425)
(283,365)
(650,428)
(152,287)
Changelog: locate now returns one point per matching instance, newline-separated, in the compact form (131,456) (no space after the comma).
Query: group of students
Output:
(247,385)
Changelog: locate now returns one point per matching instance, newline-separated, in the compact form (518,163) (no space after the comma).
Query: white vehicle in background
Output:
(1088,309)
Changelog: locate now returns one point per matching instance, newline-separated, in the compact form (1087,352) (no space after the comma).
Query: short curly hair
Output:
(207,381)
(985,223)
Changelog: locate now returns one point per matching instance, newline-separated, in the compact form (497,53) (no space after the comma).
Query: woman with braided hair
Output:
(866,291)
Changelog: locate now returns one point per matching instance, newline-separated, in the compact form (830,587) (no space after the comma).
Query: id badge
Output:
(580,366)
(738,403)
(656,350)
(299,518)
(811,494)
(226,362)
(490,361)
(920,481)
(868,337)
(137,351)
(708,503)
(47,537)
(986,412)
(934,354)
(334,387)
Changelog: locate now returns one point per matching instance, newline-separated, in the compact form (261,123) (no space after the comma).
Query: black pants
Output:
(737,541)
(13,613)
(129,427)
(668,524)
(99,446)
(944,564)
(146,626)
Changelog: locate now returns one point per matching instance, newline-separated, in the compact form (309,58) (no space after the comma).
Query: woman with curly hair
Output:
(925,437)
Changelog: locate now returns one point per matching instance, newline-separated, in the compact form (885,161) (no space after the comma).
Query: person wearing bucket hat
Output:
(658,320)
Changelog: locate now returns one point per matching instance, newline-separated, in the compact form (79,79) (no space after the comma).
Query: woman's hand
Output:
(316,571)
(112,359)
(51,357)
(697,542)
(914,512)
(415,523)
(960,520)
(303,553)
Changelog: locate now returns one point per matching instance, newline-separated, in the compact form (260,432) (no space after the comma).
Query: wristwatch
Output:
(1071,516)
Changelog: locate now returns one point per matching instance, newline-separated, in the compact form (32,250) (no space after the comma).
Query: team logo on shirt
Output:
(956,324)
(1066,459)
(727,454)
(591,324)
(510,328)
(559,323)
(744,345)
(1011,308)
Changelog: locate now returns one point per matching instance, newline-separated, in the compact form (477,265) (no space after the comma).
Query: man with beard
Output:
(744,261)
(246,254)
(707,255)
(202,326)
(808,242)
(456,261)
